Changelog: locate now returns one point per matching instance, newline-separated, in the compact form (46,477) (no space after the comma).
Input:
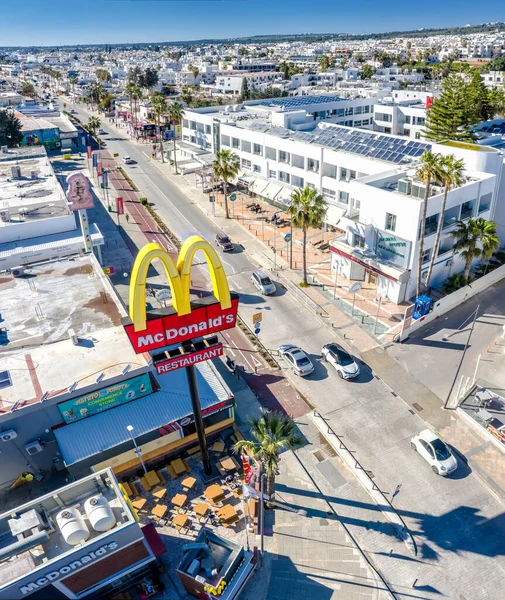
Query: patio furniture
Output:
(229,464)
(201,509)
(159,492)
(227,513)
(194,450)
(160,476)
(159,510)
(214,493)
(186,464)
(179,500)
(180,521)
(133,489)
(145,484)
(127,489)
(178,466)
(151,478)
(171,472)
(139,503)
(188,483)
(217,446)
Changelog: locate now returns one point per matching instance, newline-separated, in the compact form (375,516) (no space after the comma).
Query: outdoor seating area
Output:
(487,408)
(178,496)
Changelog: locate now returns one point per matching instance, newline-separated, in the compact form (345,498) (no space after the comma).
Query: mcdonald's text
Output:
(170,329)
(191,358)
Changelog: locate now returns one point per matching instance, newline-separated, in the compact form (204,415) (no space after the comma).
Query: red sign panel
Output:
(99,169)
(119,206)
(173,329)
(89,151)
(186,360)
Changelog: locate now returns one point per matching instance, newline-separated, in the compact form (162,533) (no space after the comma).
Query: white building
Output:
(368,179)
(230,83)
(400,118)
(493,78)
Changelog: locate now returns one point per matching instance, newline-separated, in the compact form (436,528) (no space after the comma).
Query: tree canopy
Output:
(10,129)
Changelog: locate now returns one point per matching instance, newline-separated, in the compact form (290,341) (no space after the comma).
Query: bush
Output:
(144,201)
(455,282)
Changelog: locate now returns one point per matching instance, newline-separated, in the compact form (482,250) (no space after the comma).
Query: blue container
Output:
(422,306)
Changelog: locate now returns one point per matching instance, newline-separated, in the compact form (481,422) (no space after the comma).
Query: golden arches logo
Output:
(179,278)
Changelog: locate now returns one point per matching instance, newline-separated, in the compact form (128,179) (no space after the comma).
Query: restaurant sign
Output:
(393,249)
(109,397)
(186,360)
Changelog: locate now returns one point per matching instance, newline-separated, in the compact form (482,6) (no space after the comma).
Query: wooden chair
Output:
(145,484)
(186,464)
(171,472)
(160,477)
(133,489)
(194,450)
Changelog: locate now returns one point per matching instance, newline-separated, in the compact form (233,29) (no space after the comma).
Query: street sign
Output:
(257,317)
(233,197)
(287,237)
(212,199)
(354,287)
(119,206)
(257,330)
(108,270)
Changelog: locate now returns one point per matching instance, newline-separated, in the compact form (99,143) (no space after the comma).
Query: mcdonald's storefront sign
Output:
(186,319)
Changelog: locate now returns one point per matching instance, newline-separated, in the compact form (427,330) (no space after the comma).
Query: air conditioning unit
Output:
(405,186)
(5,216)
(18,271)
(418,190)
(8,435)
(34,447)
(16,172)
(34,174)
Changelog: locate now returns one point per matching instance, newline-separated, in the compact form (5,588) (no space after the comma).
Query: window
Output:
(185,138)
(207,128)
(426,255)
(246,146)
(297,181)
(284,177)
(312,165)
(431,224)
(235,143)
(192,124)
(272,174)
(406,132)
(407,119)
(390,222)
(343,174)
(485,202)
(343,197)
(348,123)
(256,169)
(225,140)
(5,379)
(358,110)
(352,174)
(270,153)
(246,164)
(349,111)
(366,109)
(418,121)
(366,122)
(451,215)
(283,156)
(185,123)
(418,135)
(357,123)
(446,244)
(340,112)
(311,186)
(257,149)
(466,210)
(359,241)
(193,139)
(199,127)
(383,117)
(297,161)
(330,194)
(329,171)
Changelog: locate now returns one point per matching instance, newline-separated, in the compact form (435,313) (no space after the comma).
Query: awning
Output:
(334,214)
(284,196)
(271,191)
(258,185)
(153,539)
(245,180)
(88,437)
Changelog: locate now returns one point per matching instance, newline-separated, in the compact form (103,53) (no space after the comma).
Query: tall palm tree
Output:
(226,166)
(93,125)
(159,108)
(73,80)
(175,113)
(450,175)
(135,92)
(428,170)
(274,432)
(475,239)
(96,92)
(186,95)
(307,209)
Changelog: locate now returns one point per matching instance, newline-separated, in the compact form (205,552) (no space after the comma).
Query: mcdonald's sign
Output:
(186,319)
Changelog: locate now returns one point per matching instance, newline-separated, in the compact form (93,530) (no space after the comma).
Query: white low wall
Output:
(455,299)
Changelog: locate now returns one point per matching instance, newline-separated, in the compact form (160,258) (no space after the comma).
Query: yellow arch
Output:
(179,278)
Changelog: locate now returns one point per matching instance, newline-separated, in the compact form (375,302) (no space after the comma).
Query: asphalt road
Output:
(458,524)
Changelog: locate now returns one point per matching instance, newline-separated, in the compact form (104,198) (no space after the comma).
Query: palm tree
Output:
(135,93)
(93,125)
(476,239)
(186,95)
(226,166)
(96,92)
(428,170)
(451,175)
(73,80)
(274,432)
(307,209)
(159,108)
(175,113)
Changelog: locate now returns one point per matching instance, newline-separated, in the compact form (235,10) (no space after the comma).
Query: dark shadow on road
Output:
(251,299)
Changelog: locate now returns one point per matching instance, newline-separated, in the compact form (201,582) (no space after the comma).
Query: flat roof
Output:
(299,101)
(38,313)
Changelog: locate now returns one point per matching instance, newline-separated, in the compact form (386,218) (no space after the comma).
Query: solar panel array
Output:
(372,145)
(298,101)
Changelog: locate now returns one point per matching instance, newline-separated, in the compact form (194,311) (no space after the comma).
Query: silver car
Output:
(296,359)
(263,282)
(435,452)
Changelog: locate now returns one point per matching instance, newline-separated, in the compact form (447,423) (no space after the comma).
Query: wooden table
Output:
(217,447)
(151,478)
(180,520)
(201,509)
(188,483)
(179,500)
(159,492)
(226,513)
(159,510)
(178,466)
(139,503)
(214,493)
(228,463)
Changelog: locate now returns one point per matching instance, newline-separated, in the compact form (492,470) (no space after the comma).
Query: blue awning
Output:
(106,430)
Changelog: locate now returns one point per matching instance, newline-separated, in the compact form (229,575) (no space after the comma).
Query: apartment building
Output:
(493,78)
(227,83)
(368,179)
(400,118)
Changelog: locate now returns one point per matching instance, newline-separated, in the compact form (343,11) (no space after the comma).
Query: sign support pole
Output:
(291,247)
(197,411)
(377,316)
(353,301)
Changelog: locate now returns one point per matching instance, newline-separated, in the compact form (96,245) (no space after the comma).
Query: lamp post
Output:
(138,451)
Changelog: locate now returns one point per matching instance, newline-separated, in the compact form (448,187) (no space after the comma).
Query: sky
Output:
(58,22)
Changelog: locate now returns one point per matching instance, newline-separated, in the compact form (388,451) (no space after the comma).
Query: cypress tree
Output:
(244,92)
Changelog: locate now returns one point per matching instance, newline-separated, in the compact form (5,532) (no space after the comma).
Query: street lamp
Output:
(138,451)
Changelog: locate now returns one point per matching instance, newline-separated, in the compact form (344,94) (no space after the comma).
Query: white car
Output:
(344,363)
(435,452)
(127,160)
(296,359)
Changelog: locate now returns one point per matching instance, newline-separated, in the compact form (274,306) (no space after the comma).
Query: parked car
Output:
(263,282)
(101,131)
(344,363)
(73,112)
(224,242)
(296,359)
(435,452)
(127,160)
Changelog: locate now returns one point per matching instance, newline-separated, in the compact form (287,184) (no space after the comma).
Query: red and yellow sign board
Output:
(186,319)
(188,359)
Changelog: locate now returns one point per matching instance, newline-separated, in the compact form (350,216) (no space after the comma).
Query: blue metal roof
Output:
(95,434)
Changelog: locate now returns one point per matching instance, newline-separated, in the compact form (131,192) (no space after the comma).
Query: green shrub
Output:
(455,282)
(144,201)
